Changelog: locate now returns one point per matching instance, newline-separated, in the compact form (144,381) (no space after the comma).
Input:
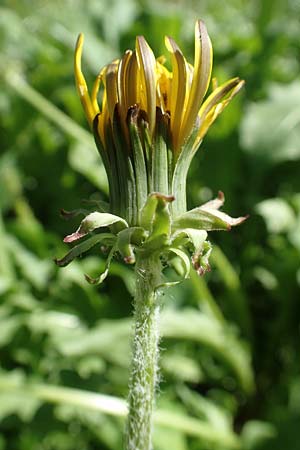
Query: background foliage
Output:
(230,349)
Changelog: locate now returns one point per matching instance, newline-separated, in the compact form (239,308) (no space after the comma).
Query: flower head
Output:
(138,79)
(148,123)
(143,102)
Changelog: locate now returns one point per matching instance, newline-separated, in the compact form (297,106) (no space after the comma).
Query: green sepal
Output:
(160,170)
(182,163)
(201,247)
(183,270)
(127,239)
(189,235)
(200,258)
(93,221)
(149,216)
(184,259)
(105,238)
(156,243)
(147,145)
(148,212)
(114,176)
(126,174)
(161,223)
(204,218)
(156,218)
(103,275)
(138,157)
(105,156)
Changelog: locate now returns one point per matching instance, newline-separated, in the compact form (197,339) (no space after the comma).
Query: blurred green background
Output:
(230,375)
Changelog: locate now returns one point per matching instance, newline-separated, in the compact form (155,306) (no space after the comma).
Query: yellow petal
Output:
(147,77)
(164,83)
(201,78)
(111,88)
(179,88)
(216,103)
(131,77)
(96,88)
(190,75)
(103,119)
(122,79)
(81,83)
(219,94)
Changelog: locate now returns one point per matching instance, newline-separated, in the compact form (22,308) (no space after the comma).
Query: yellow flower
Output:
(150,121)
(140,79)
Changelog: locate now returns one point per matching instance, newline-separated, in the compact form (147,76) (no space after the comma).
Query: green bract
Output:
(158,233)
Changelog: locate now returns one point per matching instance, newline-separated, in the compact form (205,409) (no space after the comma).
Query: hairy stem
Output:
(143,376)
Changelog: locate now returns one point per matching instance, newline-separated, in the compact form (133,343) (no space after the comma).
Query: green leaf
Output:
(164,440)
(257,434)
(100,340)
(117,407)
(37,271)
(85,160)
(219,338)
(9,326)
(203,408)
(180,367)
(21,404)
(187,325)
(197,428)
(278,215)
(82,156)
(270,128)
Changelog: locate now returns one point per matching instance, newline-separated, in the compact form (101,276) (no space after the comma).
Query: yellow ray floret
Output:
(81,83)
(180,88)
(131,81)
(122,95)
(140,79)
(200,81)
(111,88)
(147,79)
(215,104)
(164,85)
(96,87)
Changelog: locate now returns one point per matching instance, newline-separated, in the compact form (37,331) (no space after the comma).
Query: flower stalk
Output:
(148,124)
(143,377)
